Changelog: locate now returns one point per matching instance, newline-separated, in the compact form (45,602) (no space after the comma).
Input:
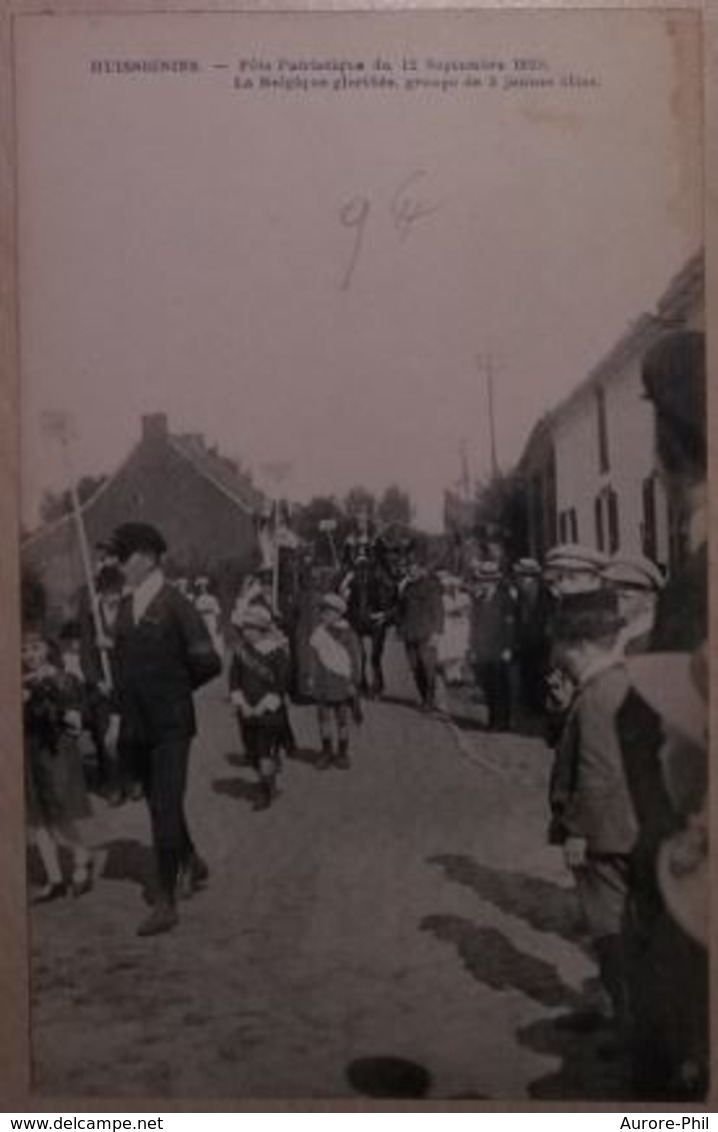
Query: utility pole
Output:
(486,367)
(465,476)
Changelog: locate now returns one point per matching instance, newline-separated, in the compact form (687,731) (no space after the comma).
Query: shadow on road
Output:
(584,1072)
(545,906)
(307,755)
(493,959)
(388,1077)
(238,788)
(125,859)
(585,1069)
(237,758)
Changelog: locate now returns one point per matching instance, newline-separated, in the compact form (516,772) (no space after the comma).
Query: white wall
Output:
(577,471)
(579,479)
(630,425)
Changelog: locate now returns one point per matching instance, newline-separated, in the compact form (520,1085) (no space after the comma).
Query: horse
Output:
(370,591)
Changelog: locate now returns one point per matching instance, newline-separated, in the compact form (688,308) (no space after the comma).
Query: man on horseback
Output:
(370,592)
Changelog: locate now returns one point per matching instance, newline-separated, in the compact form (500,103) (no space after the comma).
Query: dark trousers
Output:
(378,641)
(375,639)
(668,1000)
(423,663)
(494,679)
(533,687)
(603,885)
(163,770)
(98,716)
(261,744)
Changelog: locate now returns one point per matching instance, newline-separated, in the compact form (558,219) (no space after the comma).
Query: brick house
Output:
(204,507)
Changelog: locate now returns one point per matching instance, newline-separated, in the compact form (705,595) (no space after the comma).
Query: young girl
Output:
(453,644)
(258,681)
(335,672)
(56,794)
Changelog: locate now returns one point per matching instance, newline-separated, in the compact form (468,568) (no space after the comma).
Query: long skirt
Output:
(55,784)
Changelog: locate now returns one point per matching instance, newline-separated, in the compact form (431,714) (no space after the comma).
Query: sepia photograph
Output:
(363,562)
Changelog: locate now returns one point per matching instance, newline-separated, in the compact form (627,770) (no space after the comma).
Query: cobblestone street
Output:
(408,908)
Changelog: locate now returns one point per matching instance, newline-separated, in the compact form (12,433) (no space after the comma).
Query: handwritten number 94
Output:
(406,209)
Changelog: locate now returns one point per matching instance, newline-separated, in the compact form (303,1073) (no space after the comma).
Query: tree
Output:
(395,507)
(318,511)
(501,513)
(359,499)
(55,505)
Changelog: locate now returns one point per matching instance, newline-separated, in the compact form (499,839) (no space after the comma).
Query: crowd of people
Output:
(607,652)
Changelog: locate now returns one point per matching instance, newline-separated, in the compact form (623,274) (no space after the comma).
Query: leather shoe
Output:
(48,893)
(162,918)
(192,876)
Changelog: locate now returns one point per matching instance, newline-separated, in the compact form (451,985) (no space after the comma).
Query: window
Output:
(614,533)
(568,525)
(649,533)
(603,460)
(598,517)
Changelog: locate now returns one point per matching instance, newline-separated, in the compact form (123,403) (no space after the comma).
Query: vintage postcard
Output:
(363,556)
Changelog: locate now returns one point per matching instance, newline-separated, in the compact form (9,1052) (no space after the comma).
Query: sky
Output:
(319,278)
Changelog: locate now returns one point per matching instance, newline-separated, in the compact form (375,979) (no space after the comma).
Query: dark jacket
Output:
(493,626)
(159,663)
(590,794)
(420,610)
(682,612)
(259,679)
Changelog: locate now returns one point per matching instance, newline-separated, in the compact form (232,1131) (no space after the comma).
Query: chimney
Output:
(154,427)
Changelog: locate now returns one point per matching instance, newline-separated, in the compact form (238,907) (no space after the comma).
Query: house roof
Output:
(685,288)
(219,471)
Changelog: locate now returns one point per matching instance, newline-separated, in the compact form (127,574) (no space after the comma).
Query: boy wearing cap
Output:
(334,676)
(590,799)
(573,568)
(258,682)
(163,654)
(637,583)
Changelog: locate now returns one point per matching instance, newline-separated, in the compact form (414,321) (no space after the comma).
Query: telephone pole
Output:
(486,367)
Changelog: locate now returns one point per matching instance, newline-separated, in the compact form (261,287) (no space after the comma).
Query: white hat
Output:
(637,573)
(489,570)
(528,567)
(574,557)
(255,616)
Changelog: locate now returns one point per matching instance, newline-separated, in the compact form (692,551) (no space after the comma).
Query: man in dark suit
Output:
(163,653)
(420,618)
(493,641)
(589,795)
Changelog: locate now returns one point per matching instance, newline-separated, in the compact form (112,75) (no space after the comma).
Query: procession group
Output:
(607,652)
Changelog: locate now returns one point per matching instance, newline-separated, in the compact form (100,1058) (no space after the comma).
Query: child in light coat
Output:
(334,677)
